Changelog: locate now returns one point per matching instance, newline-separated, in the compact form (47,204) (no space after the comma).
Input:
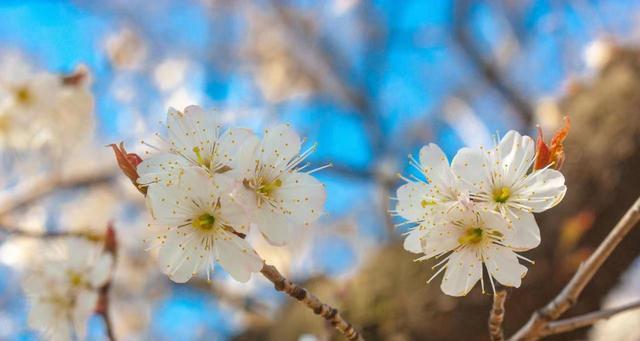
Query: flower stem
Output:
(312,302)
(497,315)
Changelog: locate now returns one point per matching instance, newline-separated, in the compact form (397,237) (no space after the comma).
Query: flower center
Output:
(501,194)
(267,188)
(23,95)
(471,236)
(426,203)
(75,278)
(206,161)
(204,222)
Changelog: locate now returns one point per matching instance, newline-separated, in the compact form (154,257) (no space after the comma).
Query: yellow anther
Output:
(201,160)
(204,222)
(501,194)
(426,203)
(471,236)
(267,188)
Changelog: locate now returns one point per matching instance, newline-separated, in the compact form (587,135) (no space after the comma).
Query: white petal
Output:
(238,207)
(464,269)
(279,145)
(412,241)
(473,167)
(85,305)
(541,190)
(181,257)
(410,197)
(237,257)
(273,225)
(246,158)
(230,143)
(515,153)
(433,158)
(193,128)
(161,168)
(301,198)
(524,234)
(440,239)
(101,270)
(195,193)
(503,265)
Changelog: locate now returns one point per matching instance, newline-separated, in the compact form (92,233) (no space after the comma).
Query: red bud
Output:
(552,154)
(128,162)
(110,240)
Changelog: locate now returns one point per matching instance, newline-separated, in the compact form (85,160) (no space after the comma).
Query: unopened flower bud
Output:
(128,162)
(553,153)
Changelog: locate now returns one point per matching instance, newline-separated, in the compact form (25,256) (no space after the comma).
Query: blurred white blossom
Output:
(62,288)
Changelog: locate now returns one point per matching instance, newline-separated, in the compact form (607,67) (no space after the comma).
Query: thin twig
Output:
(540,319)
(488,70)
(301,294)
(111,247)
(42,235)
(586,320)
(38,187)
(497,315)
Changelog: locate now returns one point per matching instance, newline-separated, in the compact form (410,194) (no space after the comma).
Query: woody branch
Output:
(540,320)
(312,302)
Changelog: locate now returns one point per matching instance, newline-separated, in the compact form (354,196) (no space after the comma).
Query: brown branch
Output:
(586,320)
(111,247)
(488,70)
(497,316)
(40,186)
(536,325)
(11,231)
(301,294)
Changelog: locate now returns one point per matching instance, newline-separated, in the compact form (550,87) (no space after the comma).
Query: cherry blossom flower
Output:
(63,289)
(470,240)
(275,191)
(419,201)
(38,108)
(197,225)
(194,141)
(499,180)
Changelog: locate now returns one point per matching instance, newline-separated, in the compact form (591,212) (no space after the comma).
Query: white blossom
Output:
(197,225)
(275,190)
(62,290)
(499,180)
(470,240)
(194,141)
(38,108)
(419,201)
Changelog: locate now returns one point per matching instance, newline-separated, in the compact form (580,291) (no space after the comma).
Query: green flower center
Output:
(203,161)
(471,236)
(204,222)
(267,188)
(501,194)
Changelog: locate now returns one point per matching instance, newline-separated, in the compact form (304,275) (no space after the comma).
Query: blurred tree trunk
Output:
(389,298)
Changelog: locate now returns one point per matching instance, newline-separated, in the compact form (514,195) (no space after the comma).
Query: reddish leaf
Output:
(128,162)
(552,154)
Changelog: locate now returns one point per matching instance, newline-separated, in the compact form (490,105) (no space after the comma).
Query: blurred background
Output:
(371,82)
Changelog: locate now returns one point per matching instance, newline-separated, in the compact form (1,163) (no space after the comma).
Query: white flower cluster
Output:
(63,289)
(39,108)
(206,187)
(478,212)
